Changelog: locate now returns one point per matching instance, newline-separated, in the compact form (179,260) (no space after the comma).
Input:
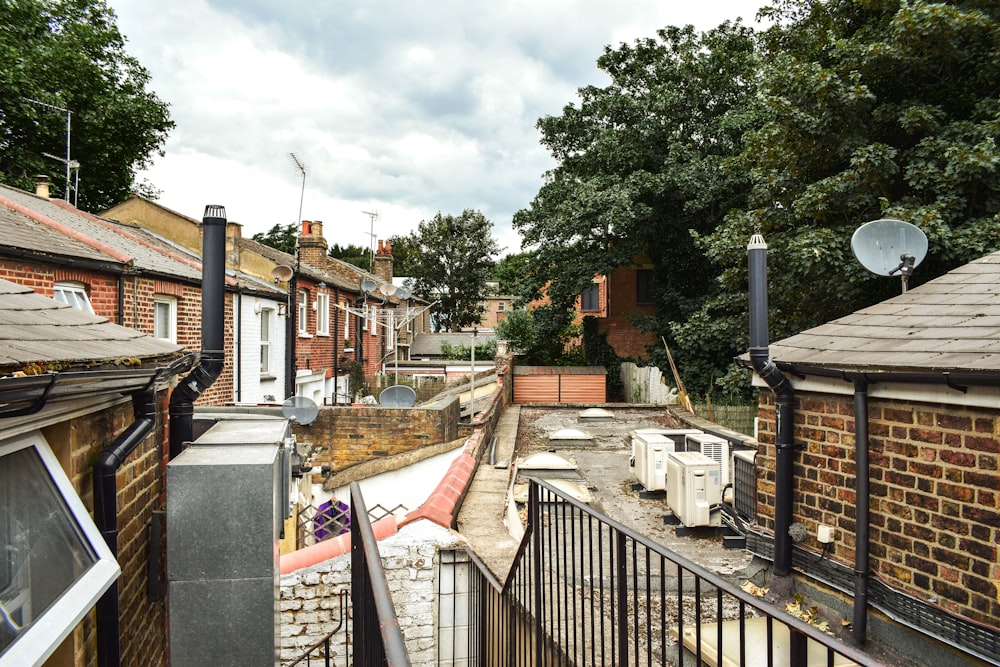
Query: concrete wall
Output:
(935,493)
(309,608)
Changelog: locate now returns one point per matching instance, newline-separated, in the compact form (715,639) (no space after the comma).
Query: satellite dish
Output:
(300,410)
(882,246)
(397,396)
(387,289)
(368,285)
(403,293)
(281,273)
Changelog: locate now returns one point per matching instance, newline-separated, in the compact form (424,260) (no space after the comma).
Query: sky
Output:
(396,109)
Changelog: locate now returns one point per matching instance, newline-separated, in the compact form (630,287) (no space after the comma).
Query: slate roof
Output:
(35,329)
(144,256)
(429,344)
(951,323)
(21,232)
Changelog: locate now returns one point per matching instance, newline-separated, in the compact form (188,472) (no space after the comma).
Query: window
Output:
(54,565)
(165,318)
(644,286)
(347,320)
(590,298)
(303,311)
(266,315)
(73,295)
(501,306)
(323,314)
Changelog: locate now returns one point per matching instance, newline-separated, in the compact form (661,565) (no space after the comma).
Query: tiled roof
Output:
(37,329)
(951,323)
(143,255)
(21,232)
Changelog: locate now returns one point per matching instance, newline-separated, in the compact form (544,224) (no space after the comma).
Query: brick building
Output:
(896,408)
(82,443)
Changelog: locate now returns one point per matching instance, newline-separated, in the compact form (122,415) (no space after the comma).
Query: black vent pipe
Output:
(213,308)
(106,515)
(862,536)
(784,397)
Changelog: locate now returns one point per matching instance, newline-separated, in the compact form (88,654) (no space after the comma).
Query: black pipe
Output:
(784,396)
(291,329)
(238,347)
(861,480)
(336,337)
(121,299)
(106,516)
(213,308)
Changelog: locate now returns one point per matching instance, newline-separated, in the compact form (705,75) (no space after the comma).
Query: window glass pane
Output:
(644,286)
(265,341)
(44,551)
(161,320)
(589,297)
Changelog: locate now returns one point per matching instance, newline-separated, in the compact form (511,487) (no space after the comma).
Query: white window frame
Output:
(323,314)
(302,312)
(266,319)
(73,294)
(171,304)
(46,632)
(501,306)
(347,321)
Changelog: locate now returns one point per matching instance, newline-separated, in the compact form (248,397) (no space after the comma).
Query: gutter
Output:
(784,396)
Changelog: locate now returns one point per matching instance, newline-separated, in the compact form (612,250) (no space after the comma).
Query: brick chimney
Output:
(42,186)
(234,232)
(312,245)
(383,261)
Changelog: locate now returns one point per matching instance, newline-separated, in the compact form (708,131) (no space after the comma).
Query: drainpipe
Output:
(106,516)
(861,542)
(213,309)
(336,337)
(238,351)
(783,399)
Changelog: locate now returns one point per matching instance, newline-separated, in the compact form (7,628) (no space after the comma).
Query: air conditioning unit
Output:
(745,484)
(694,489)
(649,450)
(715,448)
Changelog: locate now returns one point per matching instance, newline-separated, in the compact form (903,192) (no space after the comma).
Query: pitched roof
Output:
(35,329)
(24,233)
(949,323)
(97,233)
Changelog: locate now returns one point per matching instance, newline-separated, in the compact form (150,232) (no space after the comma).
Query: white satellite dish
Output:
(397,396)
(300,410)
(403,293)
(387,289)
(888,246)
(368,285)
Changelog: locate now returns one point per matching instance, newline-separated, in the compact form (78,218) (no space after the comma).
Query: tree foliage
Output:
(875,109)
(456,259)
(352,254)
(69,54)
(644,161)
(405,256)
(512,272)
(281,237)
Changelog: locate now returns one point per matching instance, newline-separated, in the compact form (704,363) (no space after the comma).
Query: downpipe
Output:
(213,305)
(106,516)
(784,396)
(861,518)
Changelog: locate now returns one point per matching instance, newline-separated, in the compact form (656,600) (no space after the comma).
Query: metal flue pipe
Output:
(213,308)
(784,396)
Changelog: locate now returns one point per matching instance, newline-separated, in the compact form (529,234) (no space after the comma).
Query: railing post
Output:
(535,522)
(621,574)
(798,649)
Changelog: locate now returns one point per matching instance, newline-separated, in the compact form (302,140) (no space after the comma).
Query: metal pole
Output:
(472,378)
(69,132)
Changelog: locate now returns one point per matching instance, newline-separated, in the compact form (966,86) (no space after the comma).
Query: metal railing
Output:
(586,590)
(377,637)
(323,649)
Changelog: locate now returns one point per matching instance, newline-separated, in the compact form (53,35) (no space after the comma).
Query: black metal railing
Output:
(586,590)
(377,637)
(335,647)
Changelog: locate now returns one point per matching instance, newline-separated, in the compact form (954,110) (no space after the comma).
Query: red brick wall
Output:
(935,493)
(357,434)
(77,443)
(624,336)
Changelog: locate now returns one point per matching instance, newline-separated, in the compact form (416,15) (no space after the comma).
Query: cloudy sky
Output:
(397,107)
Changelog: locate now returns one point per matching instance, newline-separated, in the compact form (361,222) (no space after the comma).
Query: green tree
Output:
(281,237)
(456,259)
(352,254)
(513,273)
(644,162)
(69,54)
(405,256)
(875,109)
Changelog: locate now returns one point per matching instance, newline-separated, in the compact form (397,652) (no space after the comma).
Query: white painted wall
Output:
(252,387)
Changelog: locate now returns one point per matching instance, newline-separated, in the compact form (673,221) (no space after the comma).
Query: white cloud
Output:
(408,108)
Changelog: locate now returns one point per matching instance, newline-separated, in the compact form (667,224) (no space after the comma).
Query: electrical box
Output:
(694,489)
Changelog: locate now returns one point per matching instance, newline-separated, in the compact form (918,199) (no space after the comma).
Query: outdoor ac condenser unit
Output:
(744,485)
(694,491)
(649,451)
(715,448)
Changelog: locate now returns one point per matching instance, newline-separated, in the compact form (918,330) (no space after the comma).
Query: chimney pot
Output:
(317,228)
(42,186)
(306,227)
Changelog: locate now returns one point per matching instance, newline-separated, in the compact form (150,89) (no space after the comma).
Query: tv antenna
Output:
(302,170)
(888,246)
(372,216)
(68,161)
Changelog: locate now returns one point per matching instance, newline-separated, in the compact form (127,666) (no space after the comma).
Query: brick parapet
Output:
(934,493)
